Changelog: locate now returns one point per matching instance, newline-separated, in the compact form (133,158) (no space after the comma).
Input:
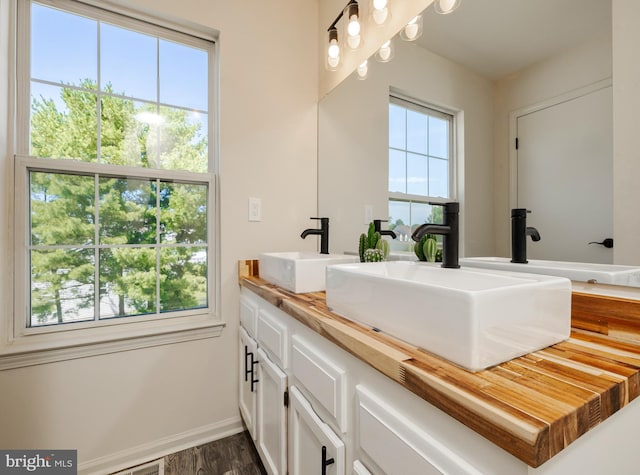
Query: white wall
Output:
(110,405)
(353,153)
(567,71)
(626,104)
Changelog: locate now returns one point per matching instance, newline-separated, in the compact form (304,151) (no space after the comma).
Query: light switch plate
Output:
(368,214)
(255,209)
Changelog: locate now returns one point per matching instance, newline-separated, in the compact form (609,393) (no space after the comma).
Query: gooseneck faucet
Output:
(323,232)
(449,232)
(519,233)
(383,232)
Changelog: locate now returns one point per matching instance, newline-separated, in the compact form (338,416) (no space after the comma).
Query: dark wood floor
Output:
(234,455)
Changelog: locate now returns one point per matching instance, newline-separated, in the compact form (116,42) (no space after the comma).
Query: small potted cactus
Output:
(427,249)
(371,247)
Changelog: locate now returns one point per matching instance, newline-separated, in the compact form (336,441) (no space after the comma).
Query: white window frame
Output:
(21,345)
(419,106)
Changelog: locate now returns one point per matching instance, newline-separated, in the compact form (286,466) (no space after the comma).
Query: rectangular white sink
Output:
(472,317)
(580,271)
(299,272)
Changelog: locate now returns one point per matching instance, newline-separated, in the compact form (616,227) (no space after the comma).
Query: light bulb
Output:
(333,54)
(354,26)
(379,12)
(353,41)
(413,30)
(363,69)
(385,53)
(446,6)
(333,50)
(351,13)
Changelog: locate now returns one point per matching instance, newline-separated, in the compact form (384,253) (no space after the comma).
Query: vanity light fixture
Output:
(333,50)
(412,30)
(380,13)
(363,70)
(352,14)
(385,52)
(445,7)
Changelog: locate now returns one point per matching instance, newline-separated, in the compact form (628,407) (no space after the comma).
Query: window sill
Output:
(41,349)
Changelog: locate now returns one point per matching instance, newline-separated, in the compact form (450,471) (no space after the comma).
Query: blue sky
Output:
(64,49)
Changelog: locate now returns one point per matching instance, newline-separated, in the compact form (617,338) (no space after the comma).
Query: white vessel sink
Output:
(474,318)
(582,271)
(299,272)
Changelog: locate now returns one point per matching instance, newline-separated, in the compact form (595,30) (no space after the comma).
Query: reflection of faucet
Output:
(323,232)
(519,233)
(449,231)
(383,232)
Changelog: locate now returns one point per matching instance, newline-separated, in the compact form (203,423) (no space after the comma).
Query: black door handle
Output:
(253,379)
(246,365)
(325,462)
(608,243)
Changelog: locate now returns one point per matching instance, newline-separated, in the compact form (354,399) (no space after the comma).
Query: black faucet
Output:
(519,233)
(449,231)
(383,232)
(323,232)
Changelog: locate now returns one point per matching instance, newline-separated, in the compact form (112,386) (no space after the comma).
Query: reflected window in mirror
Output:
(420,163)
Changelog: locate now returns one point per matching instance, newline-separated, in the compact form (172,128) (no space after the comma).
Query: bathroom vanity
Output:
(323,394)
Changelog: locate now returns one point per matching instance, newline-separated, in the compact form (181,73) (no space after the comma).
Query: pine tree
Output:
(133,213)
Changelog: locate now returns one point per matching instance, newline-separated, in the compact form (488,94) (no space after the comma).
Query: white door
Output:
(314,449)
(272,415)
(565,177)
(248,376)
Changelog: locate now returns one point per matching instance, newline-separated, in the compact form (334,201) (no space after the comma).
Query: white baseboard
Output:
(161,447)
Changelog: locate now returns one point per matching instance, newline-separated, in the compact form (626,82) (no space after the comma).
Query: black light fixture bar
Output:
(348,5)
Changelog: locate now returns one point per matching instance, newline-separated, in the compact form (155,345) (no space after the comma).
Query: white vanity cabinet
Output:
(248,359)
(272,415)
(263,382)
(369,424)
(248,380)
(314,448)
(366,422)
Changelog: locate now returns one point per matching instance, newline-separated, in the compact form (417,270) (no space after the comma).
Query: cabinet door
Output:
(272,415)
(313,447)
(397,445)
(322,379)
(248,377)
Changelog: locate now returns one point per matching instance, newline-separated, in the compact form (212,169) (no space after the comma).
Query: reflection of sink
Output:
(473,317)
(402,256)
(299,272)
(583,271)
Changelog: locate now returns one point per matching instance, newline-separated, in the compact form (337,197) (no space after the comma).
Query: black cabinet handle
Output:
(246,365)
(325,461)
(249,367)
(253,379)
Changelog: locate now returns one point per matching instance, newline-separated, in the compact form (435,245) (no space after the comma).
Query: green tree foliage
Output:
(132,216)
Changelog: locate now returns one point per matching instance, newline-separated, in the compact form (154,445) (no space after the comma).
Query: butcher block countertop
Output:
(532,406)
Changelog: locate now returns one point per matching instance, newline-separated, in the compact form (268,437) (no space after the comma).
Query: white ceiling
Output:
(497,38)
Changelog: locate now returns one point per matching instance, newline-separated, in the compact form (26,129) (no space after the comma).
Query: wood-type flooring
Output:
(234,455)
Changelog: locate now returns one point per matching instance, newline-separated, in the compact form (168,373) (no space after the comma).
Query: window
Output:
(420,164)
(115,178)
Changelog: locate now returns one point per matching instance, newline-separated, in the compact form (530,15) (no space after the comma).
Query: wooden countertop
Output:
(532,406)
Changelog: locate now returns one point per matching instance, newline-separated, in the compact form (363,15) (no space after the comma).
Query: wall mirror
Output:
(500,68)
